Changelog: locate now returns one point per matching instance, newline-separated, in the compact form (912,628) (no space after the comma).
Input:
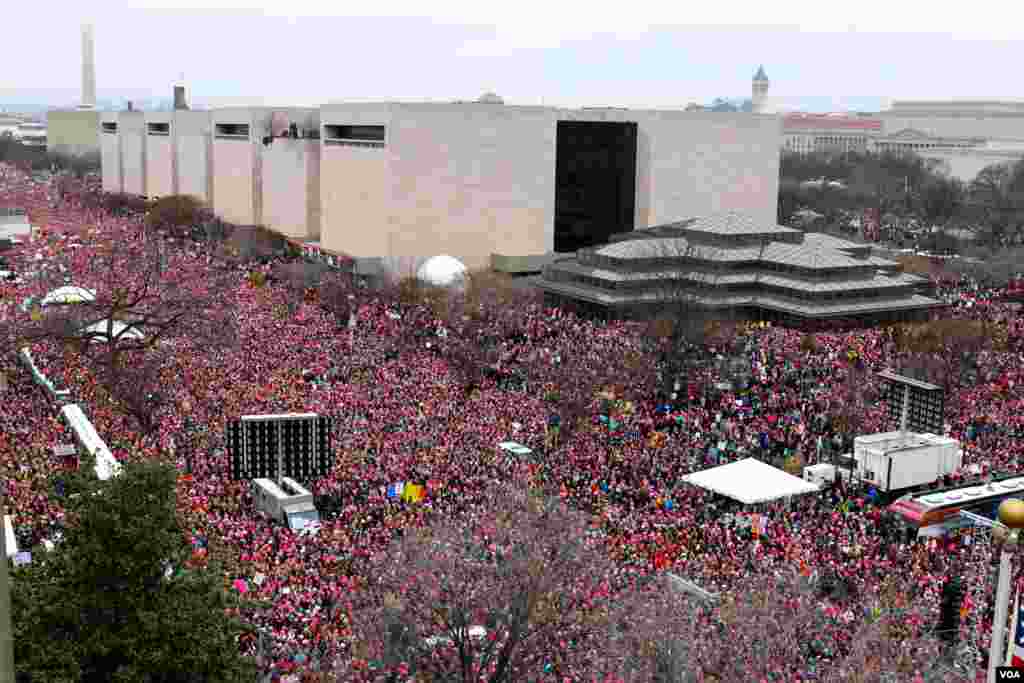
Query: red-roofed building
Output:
(805,133)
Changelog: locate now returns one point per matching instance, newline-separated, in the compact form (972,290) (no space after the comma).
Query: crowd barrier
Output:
(106,464)
(59,395)
(85,434)
(10,541)
(693,589)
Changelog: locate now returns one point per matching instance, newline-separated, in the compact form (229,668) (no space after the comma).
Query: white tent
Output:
(750,481)
(116,329)
(442,270)
(69,295)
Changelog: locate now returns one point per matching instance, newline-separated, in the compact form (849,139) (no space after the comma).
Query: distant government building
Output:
(734,264)
(965,135)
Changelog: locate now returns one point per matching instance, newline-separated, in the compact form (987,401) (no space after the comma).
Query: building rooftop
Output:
(799,121)
(875,281)
(733,223)
(774,302)
(811,253)
(760,75)
(731,260)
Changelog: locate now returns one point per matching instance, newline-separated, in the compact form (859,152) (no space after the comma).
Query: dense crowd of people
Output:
(404,418)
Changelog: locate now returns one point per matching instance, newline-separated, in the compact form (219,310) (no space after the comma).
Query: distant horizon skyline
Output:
(655,56)
(106,101)
(65,100)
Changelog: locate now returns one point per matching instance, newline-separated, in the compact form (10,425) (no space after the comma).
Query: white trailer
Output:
(14,224)
(893,461)
(290,503)
(824,475)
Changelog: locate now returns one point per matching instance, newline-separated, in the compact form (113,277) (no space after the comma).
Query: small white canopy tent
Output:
(750,481)
(115,331)
(68,294)
(442,271)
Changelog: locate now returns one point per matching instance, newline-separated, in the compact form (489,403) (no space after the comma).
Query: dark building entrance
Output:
(595,182)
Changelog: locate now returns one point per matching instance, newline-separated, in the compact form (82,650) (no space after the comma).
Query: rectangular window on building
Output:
(231,131)
(355,136)
(109,127)
(158,128)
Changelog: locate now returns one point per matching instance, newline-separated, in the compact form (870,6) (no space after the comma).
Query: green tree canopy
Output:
(100,607)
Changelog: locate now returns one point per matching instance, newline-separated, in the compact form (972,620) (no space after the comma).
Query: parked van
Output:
(290,504)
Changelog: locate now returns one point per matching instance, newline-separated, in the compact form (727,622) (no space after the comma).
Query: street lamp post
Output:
(1011,514)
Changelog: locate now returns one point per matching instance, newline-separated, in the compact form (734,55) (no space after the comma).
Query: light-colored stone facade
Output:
(291,183)
(472,180)
(160,161)
(291,175)
(131,130)
(75,133)
(355,184)
(193,140)
(236,163)
(967,135)
(808,133)
(110,152)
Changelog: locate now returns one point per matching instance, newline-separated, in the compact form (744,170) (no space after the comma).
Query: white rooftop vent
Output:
(442,271)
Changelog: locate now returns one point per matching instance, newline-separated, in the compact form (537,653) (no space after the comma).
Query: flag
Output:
(413,493)
(1016,653)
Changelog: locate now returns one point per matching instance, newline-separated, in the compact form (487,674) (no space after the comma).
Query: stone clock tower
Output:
(760,91)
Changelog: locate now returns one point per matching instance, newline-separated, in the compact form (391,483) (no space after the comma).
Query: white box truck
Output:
(290,504)
(901,461)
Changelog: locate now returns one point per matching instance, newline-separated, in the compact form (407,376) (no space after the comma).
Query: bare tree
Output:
(942,352)
(133,298)
(523,590)
(680,320)
(991,266)
(176,215)
(139,386)
(501,595)
(248,243)
(773,629)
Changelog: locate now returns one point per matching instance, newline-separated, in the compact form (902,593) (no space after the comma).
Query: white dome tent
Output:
(68,294)
(442,271)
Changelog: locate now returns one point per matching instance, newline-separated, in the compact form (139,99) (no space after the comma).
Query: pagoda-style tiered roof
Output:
(729,260)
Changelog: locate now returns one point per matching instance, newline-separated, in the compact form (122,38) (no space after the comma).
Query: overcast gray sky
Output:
(818,55)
